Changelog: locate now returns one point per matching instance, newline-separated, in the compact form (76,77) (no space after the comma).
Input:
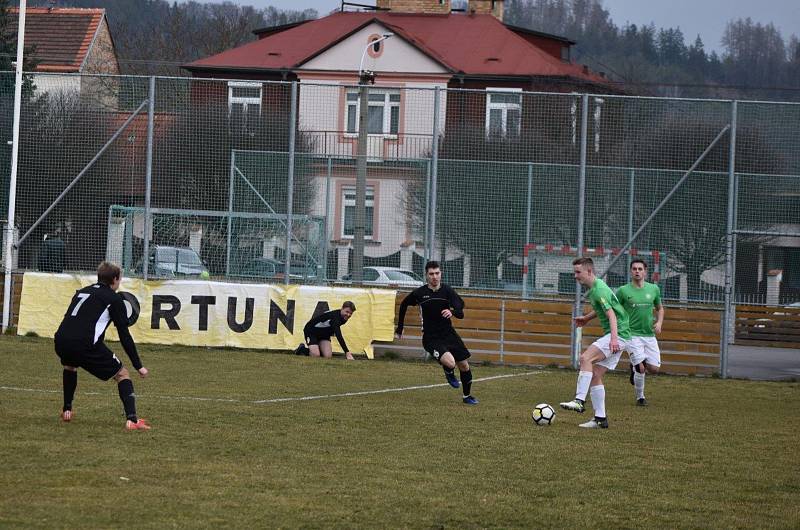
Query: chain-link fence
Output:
(297,182)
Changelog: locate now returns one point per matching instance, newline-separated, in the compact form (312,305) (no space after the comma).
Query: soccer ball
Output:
(543,414)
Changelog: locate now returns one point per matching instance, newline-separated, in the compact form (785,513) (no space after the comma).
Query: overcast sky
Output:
(704,17)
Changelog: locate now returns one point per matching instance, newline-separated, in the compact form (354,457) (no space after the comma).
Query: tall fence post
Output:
(434,173)
(231,188)
(729,235)
(326,240)
(290,183)
(427,212)
(525,259)
(502,330)
(631,184)
(148,179)
(575,337)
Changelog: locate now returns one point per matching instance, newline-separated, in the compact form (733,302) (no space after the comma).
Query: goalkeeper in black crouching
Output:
(439,303)
(319,330)
(79,343)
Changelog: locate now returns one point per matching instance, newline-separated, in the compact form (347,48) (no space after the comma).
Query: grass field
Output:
(707,453)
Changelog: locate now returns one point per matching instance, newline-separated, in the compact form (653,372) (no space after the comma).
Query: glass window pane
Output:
(370,275)
(379,97)
(375,120)
(352,96)
(351,118)
(399,276)
(369,212)
(513,118)
(253,114)
(394,98)
(349,219)
(394,120)
(246,92)
(495,121)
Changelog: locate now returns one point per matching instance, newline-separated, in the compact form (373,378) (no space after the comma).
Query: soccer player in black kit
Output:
(319,330)
(79,342)
(439,303)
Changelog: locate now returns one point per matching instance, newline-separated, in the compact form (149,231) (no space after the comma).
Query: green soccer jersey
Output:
(602,299)
(639,302)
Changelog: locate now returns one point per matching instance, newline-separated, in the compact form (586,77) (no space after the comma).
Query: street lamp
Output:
(365,78)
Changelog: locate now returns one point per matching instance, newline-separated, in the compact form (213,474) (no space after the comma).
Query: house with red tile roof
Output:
(430,46)
(67,40)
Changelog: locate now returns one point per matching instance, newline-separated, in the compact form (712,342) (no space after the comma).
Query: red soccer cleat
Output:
(66,416)
(140,425)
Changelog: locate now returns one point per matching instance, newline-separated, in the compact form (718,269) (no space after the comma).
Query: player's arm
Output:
(582,320)
(612,324)
(659,311)
(119,316)
(338,332)
(659,319)
(410,299)
(456,304)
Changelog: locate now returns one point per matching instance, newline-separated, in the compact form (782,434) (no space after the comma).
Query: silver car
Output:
(389,277)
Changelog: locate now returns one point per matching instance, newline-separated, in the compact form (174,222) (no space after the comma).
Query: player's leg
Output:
(313,346)
(325,348)
(438,350)
(597,391)
(128,398)
(636,352)
(69,379)
(591,355)
(461,355)
(650,365)
(70,383)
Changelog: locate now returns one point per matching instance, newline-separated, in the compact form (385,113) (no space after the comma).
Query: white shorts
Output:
(644,349)
(604,345)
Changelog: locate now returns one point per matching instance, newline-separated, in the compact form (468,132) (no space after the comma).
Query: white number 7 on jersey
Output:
(83,297)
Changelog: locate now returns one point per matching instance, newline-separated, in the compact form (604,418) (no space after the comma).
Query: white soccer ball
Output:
(543,414)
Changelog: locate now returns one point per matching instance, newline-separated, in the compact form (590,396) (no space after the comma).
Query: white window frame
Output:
(244,101)
(387,105)
(369,202)
(503,108)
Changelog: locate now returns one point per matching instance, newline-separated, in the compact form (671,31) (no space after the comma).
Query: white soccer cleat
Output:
(575,405)
(595,423)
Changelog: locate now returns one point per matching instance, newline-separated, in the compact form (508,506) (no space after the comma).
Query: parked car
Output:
(388,277)
(173,262)
(272,269)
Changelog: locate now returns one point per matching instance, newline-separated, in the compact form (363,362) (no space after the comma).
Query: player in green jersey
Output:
(604,353)
(641,300)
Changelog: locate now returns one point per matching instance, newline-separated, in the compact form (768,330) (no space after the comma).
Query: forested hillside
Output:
(756,61)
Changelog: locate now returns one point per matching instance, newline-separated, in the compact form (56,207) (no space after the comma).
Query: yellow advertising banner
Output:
(208,313)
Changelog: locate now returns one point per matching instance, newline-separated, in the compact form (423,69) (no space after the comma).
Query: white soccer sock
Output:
(638,384)
(599,401)
(584,380)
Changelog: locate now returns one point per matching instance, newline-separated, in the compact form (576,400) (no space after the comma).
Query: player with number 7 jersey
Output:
(79,342)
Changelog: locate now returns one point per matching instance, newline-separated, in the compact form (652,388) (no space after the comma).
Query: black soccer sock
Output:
(70,379)
(448,371)
(466,381)
(128,398)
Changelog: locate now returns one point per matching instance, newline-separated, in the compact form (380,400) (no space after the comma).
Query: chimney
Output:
(486,7)
(415,6)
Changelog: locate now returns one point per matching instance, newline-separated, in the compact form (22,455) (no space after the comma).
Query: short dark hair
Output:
(107,272)
(584,261)
(638,260)
(432,265)
(349,305)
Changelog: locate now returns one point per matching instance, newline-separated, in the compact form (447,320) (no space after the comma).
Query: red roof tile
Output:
(466,44)
(61,36)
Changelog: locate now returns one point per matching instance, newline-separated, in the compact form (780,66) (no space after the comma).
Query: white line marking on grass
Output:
(286,399)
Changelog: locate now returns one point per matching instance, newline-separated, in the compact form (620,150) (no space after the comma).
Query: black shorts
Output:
(313,340)
(97,360)
(448,342)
